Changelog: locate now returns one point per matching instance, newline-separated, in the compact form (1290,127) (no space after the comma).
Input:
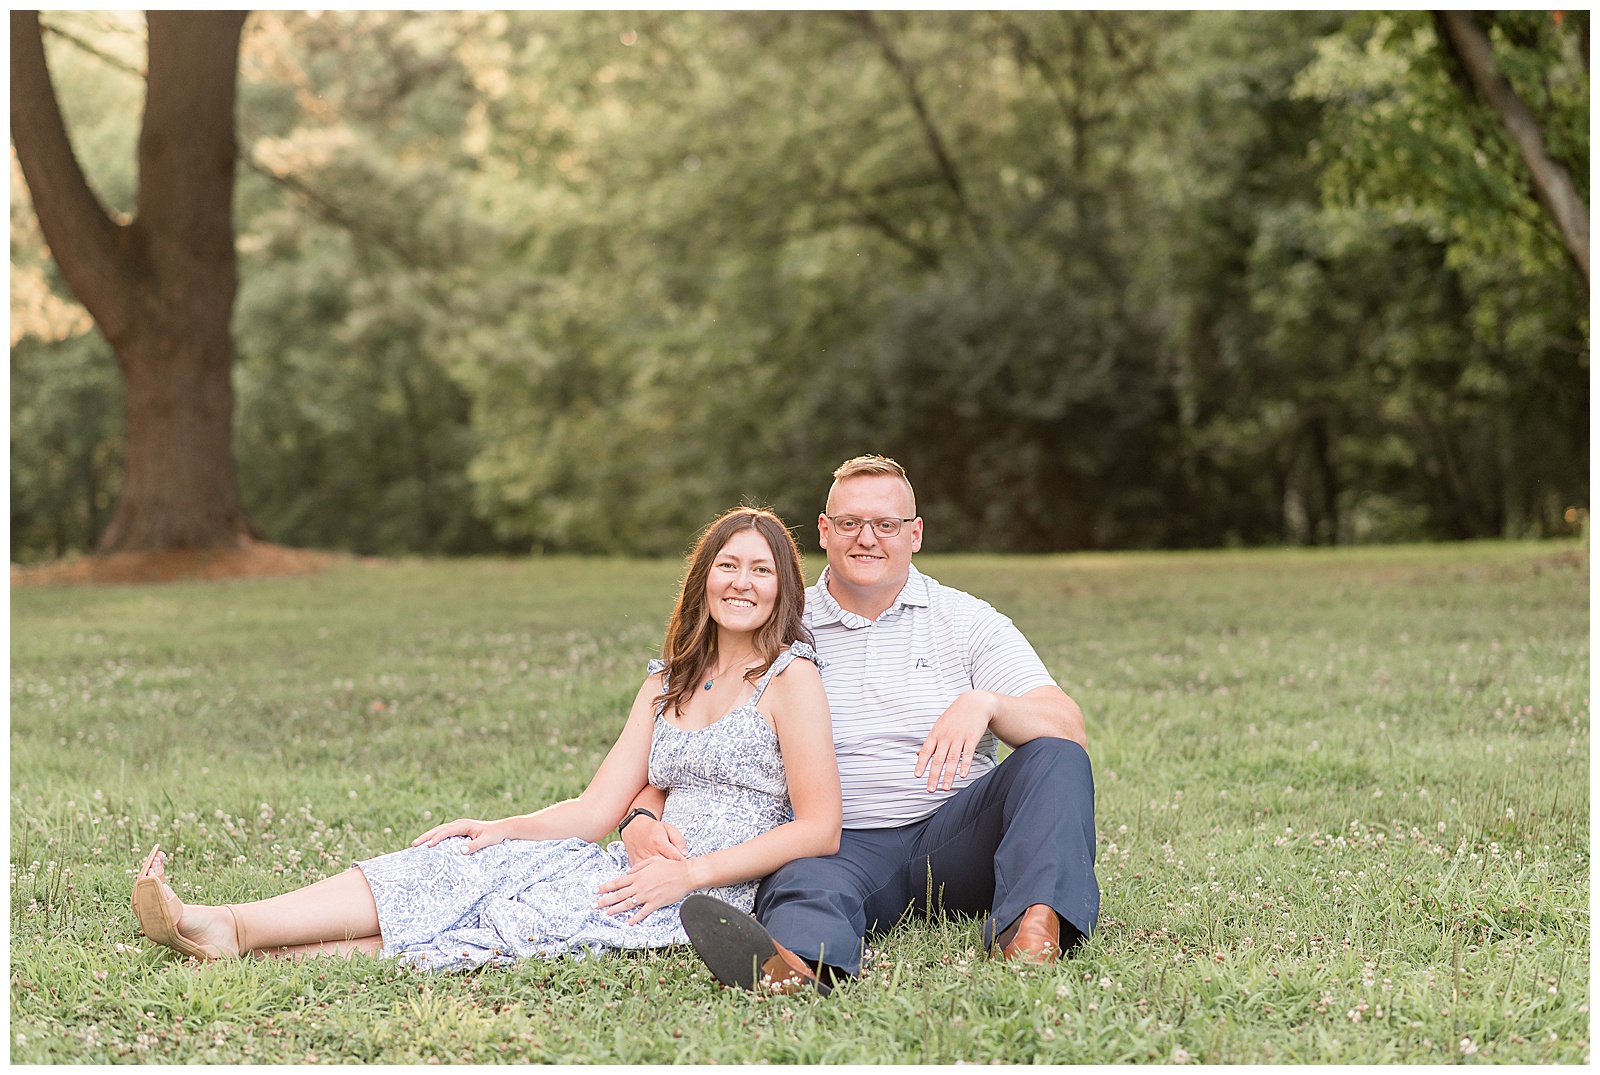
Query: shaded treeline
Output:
(578,281)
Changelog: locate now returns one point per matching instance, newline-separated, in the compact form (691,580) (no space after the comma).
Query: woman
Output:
(728,721)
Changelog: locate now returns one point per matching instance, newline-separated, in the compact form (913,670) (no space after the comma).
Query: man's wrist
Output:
(990,702)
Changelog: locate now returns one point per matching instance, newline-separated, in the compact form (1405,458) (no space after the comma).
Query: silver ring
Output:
(636,901)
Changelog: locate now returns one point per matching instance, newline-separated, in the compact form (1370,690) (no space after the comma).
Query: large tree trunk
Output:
(160,288)
(1552,185)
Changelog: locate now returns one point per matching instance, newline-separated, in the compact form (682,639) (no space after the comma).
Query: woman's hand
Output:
(646,838)
(651,885)
(481,834)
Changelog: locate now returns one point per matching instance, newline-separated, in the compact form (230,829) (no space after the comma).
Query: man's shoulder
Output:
(949,601)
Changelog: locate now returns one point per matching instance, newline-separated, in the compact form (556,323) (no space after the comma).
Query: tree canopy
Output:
(577,281)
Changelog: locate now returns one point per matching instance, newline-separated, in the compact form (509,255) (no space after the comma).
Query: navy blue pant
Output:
(1024,834)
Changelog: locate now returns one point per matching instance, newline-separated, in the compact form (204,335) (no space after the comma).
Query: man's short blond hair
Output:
(873,466)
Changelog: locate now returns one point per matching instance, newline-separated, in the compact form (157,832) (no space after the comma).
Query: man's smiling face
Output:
(864,561)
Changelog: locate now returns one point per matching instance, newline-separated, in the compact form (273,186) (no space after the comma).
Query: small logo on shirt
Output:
(922,662)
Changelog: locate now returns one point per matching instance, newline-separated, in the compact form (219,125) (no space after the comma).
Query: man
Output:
(921,680)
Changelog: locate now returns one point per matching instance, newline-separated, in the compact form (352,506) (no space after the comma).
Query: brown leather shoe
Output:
(1035,937)
(739,952)
(786,972)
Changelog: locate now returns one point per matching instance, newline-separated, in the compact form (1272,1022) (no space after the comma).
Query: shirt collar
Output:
(914,594)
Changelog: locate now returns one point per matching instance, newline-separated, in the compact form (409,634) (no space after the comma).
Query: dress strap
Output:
(658,665)
(796,649)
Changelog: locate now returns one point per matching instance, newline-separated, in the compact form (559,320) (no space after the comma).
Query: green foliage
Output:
(1349,357)
(352,431)
(1342,813)
(66,444)
(1403,135)
(1503,343)
(66,395)
(577,281)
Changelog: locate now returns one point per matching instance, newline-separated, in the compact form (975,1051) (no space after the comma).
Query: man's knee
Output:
(1053,755)
(814,883)
(787,881)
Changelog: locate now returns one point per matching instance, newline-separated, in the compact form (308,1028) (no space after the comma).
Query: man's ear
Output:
(916,535)
(822,529)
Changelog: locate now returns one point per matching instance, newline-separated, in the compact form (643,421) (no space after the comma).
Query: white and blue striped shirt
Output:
(889,679)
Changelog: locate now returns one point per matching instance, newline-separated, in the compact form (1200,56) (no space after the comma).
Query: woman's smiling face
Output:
(742,588)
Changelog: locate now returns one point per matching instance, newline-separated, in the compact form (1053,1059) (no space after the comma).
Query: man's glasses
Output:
(850,525)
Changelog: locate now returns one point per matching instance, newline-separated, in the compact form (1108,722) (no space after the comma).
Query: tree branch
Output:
(1552,184)
(319,206)
(930,132)
(869,214)
(1052,79)
(99,54)
(325,209)
(322,207)
(87,245)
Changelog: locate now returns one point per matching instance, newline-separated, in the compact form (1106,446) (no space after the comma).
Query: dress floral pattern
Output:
(443,910)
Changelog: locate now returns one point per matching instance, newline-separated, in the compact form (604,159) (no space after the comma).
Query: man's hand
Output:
(645,838)
(480,834)
(948,750)
(649,886)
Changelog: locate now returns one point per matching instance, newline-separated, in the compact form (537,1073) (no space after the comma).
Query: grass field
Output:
(1343,813)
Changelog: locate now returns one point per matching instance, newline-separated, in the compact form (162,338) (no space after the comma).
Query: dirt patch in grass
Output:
(257,559)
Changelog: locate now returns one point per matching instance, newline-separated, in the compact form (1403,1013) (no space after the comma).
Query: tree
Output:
(1552,184)
(1498,416)
(916,234)
(577,281)
(160,287)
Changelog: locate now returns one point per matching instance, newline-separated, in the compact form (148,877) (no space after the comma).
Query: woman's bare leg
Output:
(337,908)
(367,945)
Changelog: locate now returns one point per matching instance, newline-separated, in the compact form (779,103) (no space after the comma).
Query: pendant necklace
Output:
(710,682)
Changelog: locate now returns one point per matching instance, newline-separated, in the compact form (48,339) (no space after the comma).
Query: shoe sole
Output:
(728,941)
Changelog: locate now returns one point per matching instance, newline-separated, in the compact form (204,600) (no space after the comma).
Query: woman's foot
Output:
(194,930)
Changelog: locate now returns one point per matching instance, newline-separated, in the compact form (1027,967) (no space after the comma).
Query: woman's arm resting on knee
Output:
(805,736)
(595,811)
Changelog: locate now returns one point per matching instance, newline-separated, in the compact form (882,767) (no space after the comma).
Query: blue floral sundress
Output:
(443,910)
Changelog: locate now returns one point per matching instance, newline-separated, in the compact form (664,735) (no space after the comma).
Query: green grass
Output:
(1343,806)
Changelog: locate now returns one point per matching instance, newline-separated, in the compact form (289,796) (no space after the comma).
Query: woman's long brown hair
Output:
(690,649)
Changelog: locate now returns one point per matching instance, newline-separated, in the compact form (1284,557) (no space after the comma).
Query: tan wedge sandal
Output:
(155,918)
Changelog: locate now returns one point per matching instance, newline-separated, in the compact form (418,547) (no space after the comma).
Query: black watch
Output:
(633,814)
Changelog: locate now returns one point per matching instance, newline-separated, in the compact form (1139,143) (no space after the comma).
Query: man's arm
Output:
(1016,719)
(1043,711)
(1000,658)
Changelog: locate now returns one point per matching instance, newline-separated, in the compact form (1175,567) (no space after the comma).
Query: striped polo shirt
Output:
(889,679)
